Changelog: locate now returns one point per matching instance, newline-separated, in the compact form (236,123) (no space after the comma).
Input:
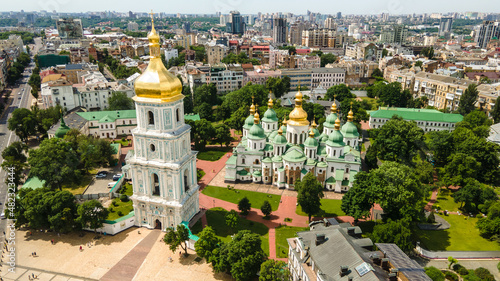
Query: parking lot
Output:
(100,185)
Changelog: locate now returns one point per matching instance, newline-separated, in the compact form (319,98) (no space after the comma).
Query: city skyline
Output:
(245,7)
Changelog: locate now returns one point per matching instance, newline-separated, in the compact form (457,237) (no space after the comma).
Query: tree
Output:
(244,206)
(277,86)
(441,144)
(15,169)
(434,273)
(188,102)
(468,194)
(232,219)
(23,123)
(309,193)
(15,151)
(397,232)
(266,209)
(476,118)
(206,93)
(419,63)
(340,92)
(451,261)
(327,59)
(398,140)
(272,270)
(237,119)
(468,100)
(55,162)
(495,111)
(175,238)
(314,111)
(371,158)
(484,274)
(359,200)
(201,129)
(428,52)
(359,112)
(205,111)
(120,101)
(206,243)
(460,167)
(91,214)
(242,256)
(223,134)
(377,73)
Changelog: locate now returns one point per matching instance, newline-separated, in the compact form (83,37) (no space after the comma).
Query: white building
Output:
(95,96)
(162,166)
(59,92)
(327,77)
(171,54)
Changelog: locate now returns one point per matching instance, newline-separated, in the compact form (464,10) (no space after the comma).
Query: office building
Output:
(397,35)
(487,30)
(279,30)
(445,25)
(296,29)
(236,24)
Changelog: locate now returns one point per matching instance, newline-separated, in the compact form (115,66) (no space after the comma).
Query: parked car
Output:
(102,172)
(117,177)
(100,176)
(111,184)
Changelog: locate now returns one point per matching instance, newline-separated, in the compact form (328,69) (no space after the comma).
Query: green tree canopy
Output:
(23,123)
(340,92)
(272,270)
(206,243)
(91,214)
(244,206)
(266,209)
(397,232)
(309,193)
(177,237)
(120,101)
(468,100)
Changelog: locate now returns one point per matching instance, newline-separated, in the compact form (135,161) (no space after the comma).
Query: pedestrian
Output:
(58,234)
(33,275)
(35,254)
(52,241)
(81,248)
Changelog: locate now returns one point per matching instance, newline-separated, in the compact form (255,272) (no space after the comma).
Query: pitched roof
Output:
(406,266)
(417,114)
(98,115)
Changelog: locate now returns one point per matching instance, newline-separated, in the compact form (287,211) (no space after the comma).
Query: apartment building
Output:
(318,37)
(298,77)
(260,76)
(364,51)
(327,77)
(227,78)
(215,53)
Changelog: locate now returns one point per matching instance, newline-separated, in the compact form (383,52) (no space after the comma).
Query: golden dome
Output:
(350,115)
(311,134)
(298,116)
(333,109)
(156,82)
(270,103)
(256,118)
(314,125)
(337,124)
(280,131)
(284,121)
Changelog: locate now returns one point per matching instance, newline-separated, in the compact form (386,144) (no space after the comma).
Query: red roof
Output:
(261,48)
(233,42)
(303,51)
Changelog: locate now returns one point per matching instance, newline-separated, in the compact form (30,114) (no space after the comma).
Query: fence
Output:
(109,195)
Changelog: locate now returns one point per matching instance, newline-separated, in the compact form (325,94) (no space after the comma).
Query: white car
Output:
(111,184)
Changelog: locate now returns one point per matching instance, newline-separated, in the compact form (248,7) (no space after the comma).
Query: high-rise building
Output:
(279,30)
(397,35)
(296,29)
(132,26)
(339,15)
(486,32)
(330,23)
(318,38)
(186,26)
(236,24)
(445,25)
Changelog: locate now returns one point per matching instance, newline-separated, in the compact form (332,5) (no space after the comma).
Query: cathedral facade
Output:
(280,155)
(162,166)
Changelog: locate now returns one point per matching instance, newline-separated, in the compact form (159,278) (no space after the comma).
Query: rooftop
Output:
(416,114)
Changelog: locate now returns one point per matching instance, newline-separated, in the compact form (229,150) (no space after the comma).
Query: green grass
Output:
(216,219)
(123,143)
(78,188)
(446,202)
(124,207)
(461,236)
(235,195)
(329,207)
(127,189)
(213,153)
(282,233)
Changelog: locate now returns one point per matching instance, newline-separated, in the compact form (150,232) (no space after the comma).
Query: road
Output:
(21,98)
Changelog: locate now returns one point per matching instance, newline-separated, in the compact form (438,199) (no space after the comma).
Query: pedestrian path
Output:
(128,266)
(272,241)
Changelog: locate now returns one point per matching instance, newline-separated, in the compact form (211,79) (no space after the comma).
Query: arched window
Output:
(152,147)
(186,180)
(151,118)
(177,115)
(243,161)
(156,185)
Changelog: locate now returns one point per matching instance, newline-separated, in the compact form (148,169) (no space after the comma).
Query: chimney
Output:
(344,270)
(320,238)
(351,231)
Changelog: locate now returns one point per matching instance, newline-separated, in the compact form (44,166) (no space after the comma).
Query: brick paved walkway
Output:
(128,266)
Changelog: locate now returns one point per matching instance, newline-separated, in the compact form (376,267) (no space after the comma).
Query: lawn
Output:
(127,189)
(76,188)
(124,207)
(235,195)
(445,201)
(125,142)
(461,236)
(282,233)
(216,219)
(213,153)
(330,208)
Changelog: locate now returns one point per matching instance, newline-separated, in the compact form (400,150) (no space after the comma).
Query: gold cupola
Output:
(156,82)
(350,115)
(298,116)
(333,109)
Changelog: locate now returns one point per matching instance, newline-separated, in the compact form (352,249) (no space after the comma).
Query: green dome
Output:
(311,142)
(272,135)
(330,120)
(336,139)
(283,127)
(248,122)
(62,130)
(279,139)
(256,132)
(323,137)
(349,130)
(270,116)
(316,132)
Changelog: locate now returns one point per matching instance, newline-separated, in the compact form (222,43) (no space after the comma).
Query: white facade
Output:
(171,54)
(162,167)
(58,92)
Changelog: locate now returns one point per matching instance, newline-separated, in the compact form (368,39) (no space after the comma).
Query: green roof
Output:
(311,162)
(232,160)
(62,130)
(295,155)
(279,139)
(267,160)
(322,165)
(339,175)
(98,115)
(311,142)
(256,132)
(268,147)
(352,174)
(270,116)
(330,180)
(304,171)
(248,122)
(33,183)
(417,114)
(107,119)
(349,130)
(192,116)
(115,147)
(243,173)
(322,150)
(277,158)
(257,173)
(130,215)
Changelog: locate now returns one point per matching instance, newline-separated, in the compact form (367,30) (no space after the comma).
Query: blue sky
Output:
(254,6)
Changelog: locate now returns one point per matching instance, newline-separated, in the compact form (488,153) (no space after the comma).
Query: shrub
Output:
(479,216)
(114,203)
(124,198)
(434,273)
(484,274)
(463,271)
(120,213)
(244,206)
(450,276)
(457,266)
(111,210)
(498,266)
(123,139)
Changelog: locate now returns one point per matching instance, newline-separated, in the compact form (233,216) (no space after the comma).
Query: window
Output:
(177,115)
(186,182)
(242,160)
(152,147)
(151,118)
(156,185)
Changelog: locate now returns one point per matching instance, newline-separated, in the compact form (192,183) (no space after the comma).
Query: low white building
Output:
(171,54)
(60,92)
(95,96)
(110,124)
(327,77)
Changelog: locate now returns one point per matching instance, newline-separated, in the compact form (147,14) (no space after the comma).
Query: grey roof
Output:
(328,70)
(494,133)
(406,266)
(74,66)
(73,120)
(339,249)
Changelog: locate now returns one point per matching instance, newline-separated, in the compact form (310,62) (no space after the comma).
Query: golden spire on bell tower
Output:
(156,82)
